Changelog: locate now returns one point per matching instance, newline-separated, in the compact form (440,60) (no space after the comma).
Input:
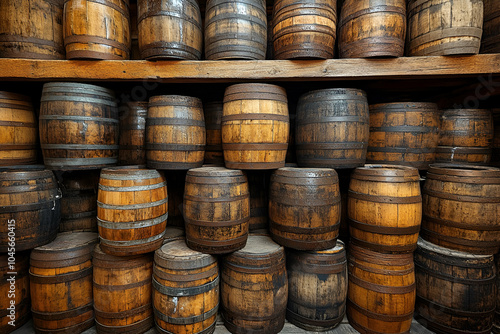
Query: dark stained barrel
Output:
(490,40)
(133,133)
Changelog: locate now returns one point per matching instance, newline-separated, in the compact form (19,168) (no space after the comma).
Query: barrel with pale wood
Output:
(97,29)
(31,29)
(216,209)
(304,208)
(490,40)
(15,291)
(254,287)
(444,27)
(460,208)
(29,206)
(255,126)
(185,290)
(317,284)
(372,28)
(78,126)
(122,292)
(133,133)
(175,132)
(132,210)
(304,29)
(382,291)
(258,186)
(385,208)
(455,290)
(403,134)
(61,284)
(213,124)
(495,156)
(332,128)
(18,130)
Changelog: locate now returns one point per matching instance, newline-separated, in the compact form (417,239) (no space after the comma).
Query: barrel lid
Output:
(10,173)
(177,255)
(173,233)
(255,91)
(387,173)
(259,245)
(306,172)
(70,240)
(424,244)
(214,171)
(404,106)
(128,173)
(465,173)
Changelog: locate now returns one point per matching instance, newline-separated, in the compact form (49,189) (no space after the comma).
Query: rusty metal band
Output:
(387,259)
(45,205)
(319,268)
(277,267)
(78,118)
(259,94)
(405,128)
(330,119)
(234,52)
(107,100)
(461,198)
(173,262)
(419,268)
(185,102)
(174,121)
(71,258)
(216,179)
(132,206)
(28,188)
(174,147)
(304,230)
(219,244)
(18,147)
(387,179)
(32,55)
(256,117)
(379,316)
(385,199)
(129,174)
(125,12)
(128,262)
(204,199)
(62,278)
(86,39)
(254,147)
(173,50)
(16,107)
(277,196)
(122,314)
(294,317)
(217,3)
(425,232)
(78,147)
(303,244)
(289,10)
(78,88)
(330,146)
(445,33)
(386,230)
(208,223)
(231,16)
(126,243)
(299,28)
(134,188)
(372,46)
(374,9)
(54,316)
(187,320)
(468,179)
(93,55)
(183,292)
(248,317)
(305,180)
(436,327)
(30,39)
(80,215)
(377,271)
(179,15)
(403,150)
(209,330)
(141,326)
(121,287)
(397,290)
(452,311)
(456,224)
(384,248)
(182,277)
(78,328)
(451,261)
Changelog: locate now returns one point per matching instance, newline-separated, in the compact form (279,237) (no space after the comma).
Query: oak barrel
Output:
(185,290)
(304,208)
(255,126)
(132,210)
(381,293)
(213,125)
(490,40)
(61,284)
(317,288)
(455,290)
(29,206)
(495,156)
(175,132)
(254,287)
(97,29)
(133,133)
(258,186)
(403,134)
(78,126)
(332,128)
(122,292)
(461,208)
(371,28)
(444,27)
(216,209)
(31,29)
(304,29)
(18,130)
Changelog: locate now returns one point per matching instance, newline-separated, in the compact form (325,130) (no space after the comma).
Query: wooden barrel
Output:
(403,134)
(61,284)
(317,283)
(304,29)
(255,126)
(213,124)
(495,156)
(133,133)
(169,29)
(385,208)
(175,132)
(15,289)
(460,208)
(97,29)
(258,187)
(332,128)
(490,40)
(254,287)
(235,29)
(372,28)
(132,210)
(30,208)
(381,293)
(185,290)
(78,126)
(455,290)
(31,29)
(496,319)
(304,208)
(465,136)
(18,129)
(122,292)
(216,209)
(173,233)
(444,27)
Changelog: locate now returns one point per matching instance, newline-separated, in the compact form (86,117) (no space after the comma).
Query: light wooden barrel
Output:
(30,201)
(255,126)
(317,283)
(31,29)
(460,208)
(133,133)
(213,125)
(332,128)
(403,134)
(444,27)
(132,210)
(258,186)
(372,28)
(61,284)
(175,132)
(97,29)
(18,129)
(185,290)
(490,40)
(235,29)
(382,291)
(78,126)
(455,290)
(254,287)
(495,155)
(122,292)
(304,29)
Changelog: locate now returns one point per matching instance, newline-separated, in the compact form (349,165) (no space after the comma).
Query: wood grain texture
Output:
(490,41)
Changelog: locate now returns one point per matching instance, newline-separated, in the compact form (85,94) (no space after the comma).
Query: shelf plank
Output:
(262,70)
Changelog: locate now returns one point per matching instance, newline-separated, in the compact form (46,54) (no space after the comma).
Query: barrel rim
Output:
(384,170)
(86,88)
(174,98)
(463,170)
(306,172)
(208,171)
(358,91)
(175,257)
(427,245)
(89,238)
(249,251)
(412,105)
(251,88)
